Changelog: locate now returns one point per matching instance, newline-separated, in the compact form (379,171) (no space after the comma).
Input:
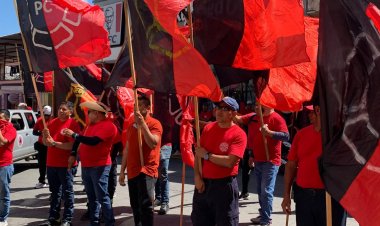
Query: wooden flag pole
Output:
(133,71)
(182,193)
(20,71)
(287,219)
(328,210)
(264,138)
(31,73)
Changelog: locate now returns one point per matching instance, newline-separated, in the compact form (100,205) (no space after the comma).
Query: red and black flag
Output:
(250,34)
(44,81)
(164,60)
(348,84)
(71,88)
(62,33)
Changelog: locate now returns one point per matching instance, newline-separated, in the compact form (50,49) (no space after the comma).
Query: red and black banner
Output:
(348,83)
(250,34)
(162,53)
(44,81)
(62,33)
(73,88)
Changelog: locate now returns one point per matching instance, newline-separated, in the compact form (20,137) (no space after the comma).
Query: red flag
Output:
(186,131)
(62,33)
(250,34)
(290,86)
(95,71)
(162,53)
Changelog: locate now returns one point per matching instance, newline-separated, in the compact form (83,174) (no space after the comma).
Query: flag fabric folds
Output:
(62,33)
(348,92)
(250,34)
(162,53)
(289,87)
(71,89)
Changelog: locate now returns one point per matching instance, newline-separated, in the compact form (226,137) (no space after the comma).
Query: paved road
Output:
(30,206)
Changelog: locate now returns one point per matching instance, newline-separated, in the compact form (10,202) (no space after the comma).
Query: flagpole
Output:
(262,124)
(328,210)
(133,71)
(31,73)
(53,103)
(19,69)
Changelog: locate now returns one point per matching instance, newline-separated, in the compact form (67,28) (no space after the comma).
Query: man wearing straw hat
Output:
(142,179)
(216,197)
(94,148)
(60,178)
(309,192)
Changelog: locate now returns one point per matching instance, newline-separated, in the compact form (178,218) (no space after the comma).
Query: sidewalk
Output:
(30,206)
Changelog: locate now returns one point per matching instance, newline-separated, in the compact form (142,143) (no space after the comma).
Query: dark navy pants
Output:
(218,204)
(311,208)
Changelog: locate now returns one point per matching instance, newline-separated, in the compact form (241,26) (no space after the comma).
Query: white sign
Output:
(113,14)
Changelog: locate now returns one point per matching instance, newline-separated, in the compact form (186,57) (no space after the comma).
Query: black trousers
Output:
(218,204)
(311,208)
(41,158)
(245,170)
(141,195)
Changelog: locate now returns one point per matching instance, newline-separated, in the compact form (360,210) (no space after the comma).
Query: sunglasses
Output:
(223,108)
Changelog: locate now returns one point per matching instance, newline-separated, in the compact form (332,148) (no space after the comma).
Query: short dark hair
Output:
(6,113)
(69,104)
(144,99)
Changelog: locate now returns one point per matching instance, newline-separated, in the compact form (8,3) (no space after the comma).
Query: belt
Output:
(219,180)
(312,191)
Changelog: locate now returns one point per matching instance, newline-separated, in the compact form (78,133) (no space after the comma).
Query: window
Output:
(17,121)
(30,120)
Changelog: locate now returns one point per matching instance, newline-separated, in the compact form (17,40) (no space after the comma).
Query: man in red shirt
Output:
(216,197)
(40,147)
(309,192)
(275,131)
(142,179)
(94,149)
(7,138)
(60,178)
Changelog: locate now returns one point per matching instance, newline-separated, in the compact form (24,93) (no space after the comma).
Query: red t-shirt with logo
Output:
(275,123)
(6,151)
(306,150)
(98,155)
(57,157)
(151,156)
(222,141)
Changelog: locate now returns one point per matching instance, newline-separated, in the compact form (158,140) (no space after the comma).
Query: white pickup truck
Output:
(23,121)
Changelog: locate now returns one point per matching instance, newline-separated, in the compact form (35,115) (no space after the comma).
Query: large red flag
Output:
(289,87)
(162,53)
(250,34)
(348,92)
(62,33)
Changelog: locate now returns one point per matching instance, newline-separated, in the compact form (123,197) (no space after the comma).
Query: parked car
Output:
(23,121)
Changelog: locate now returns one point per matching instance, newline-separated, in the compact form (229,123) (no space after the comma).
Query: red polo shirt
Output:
(306,150)
(6,151)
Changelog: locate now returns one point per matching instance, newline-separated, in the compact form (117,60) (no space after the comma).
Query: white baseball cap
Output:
(47,110)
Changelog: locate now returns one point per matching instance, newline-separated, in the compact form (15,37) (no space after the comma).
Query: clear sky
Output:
(8,18)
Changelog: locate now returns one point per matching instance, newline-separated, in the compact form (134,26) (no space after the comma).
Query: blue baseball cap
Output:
(231,102)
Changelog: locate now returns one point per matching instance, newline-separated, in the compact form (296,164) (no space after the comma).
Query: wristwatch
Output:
(53,143)
(206,156)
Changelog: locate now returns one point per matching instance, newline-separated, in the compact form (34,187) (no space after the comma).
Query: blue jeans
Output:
(6,173)
(162,184)
(61,181)
(266,173)
(95,181)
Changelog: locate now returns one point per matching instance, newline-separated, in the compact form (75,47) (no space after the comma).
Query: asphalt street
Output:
(30,206)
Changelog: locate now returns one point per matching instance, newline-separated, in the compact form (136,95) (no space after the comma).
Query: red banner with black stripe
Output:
(348,91)
(250,34)
(62,33)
